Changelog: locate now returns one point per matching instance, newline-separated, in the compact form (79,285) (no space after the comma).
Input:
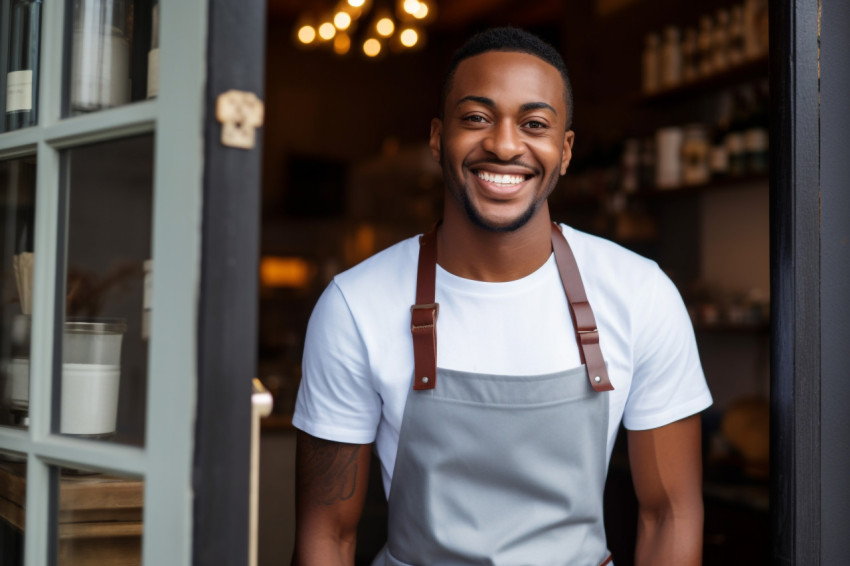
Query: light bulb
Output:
(356,3)
(409,37)
(342,20)
(372,47)
(385,27)
(306,34)
(411,6)
(327,30)
(342,43)
(421,12)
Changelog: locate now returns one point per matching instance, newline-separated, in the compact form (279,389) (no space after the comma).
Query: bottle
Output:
(719,159)
(696,169)
(22,75)
(756,134)
(153,54)
(705,41)
(719,55)
(735,146)
(735,37)
(671,58)
(100,55)
(689,56)
(651,64)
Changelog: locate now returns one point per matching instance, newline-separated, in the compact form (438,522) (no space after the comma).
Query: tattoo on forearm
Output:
(328,470)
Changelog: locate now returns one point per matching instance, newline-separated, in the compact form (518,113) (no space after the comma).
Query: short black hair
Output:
(508,39)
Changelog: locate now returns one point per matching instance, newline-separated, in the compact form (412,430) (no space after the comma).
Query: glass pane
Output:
(100,519)
(22,64)
(13,492)
(104,352)
(114,53)
(17,217)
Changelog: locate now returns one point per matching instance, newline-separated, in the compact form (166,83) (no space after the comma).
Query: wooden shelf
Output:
(100,516)
(727,183)
(747,71)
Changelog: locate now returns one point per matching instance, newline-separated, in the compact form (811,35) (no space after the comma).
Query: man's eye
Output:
(475,118)
(534,124)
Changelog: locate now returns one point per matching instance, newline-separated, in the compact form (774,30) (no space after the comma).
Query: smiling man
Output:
(491,361)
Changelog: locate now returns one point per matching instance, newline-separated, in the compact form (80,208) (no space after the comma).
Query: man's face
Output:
(503,140)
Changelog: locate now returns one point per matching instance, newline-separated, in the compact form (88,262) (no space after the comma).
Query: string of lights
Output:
(376,27)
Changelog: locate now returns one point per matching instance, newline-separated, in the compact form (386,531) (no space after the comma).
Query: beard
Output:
(457,189)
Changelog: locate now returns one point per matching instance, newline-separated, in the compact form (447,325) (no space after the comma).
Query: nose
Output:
(503,141)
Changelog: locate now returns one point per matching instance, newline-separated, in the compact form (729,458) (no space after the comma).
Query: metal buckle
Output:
(588,331)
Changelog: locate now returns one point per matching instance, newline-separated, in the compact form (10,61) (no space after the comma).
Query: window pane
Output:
(17,218)
(103,386)
(100,519)
(13,475)
(114,53)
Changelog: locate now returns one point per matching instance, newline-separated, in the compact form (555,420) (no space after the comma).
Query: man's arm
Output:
(331,480)
(666,465)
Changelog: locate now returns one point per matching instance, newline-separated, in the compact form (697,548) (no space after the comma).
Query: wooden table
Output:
(100,516)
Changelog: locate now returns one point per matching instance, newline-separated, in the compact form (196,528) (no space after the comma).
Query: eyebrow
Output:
(491,103)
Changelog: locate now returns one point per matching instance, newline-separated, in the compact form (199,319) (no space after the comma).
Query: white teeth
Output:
(506,180)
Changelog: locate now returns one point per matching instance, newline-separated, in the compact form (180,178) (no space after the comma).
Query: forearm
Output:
(670,536)
(331,480)
(323,550)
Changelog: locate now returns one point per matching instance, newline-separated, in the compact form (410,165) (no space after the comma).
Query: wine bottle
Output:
(22,75)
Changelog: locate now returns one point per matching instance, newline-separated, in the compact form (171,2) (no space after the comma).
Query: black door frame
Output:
(810,280)
(227,320)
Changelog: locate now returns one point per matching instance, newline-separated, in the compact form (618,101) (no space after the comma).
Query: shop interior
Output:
(670,160)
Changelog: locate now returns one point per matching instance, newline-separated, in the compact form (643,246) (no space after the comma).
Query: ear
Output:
(567,154)
(435,142)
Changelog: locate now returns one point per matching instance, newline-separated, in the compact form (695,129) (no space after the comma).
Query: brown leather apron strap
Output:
(584,322)
(423,315)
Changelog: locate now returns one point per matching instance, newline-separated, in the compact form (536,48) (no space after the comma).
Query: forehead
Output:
(509,78)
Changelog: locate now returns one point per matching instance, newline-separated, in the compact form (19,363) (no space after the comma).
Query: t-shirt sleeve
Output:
(668,382)
(336,399)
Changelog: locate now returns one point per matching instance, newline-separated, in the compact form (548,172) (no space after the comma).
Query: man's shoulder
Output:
(594,252)
(390,267)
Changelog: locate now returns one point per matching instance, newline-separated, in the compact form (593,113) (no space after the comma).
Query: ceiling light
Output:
(411,6)
(356,3)
(306,34)
(409,37)
(342,44)
(385,27)
(421,12)
(342,20)
(372,47)
(327,30)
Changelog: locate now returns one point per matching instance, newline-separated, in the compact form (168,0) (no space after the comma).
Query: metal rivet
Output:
(424,380)
(597,379)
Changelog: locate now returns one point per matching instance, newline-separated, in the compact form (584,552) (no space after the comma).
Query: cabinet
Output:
(712,239)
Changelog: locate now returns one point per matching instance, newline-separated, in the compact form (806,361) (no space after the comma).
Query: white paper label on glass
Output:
(153,72)
(19,91)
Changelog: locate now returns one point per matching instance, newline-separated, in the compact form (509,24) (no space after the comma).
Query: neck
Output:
(472,252)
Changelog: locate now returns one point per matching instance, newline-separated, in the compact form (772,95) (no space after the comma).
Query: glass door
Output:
(103,301)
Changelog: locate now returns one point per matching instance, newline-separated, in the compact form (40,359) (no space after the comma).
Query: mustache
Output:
(512,163)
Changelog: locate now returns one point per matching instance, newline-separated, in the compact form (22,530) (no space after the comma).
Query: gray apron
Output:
(500,470)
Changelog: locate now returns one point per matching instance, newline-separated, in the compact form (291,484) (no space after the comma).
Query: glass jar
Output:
(696,168)
(100,55)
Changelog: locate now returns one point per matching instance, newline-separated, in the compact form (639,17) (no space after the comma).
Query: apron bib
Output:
(500,470)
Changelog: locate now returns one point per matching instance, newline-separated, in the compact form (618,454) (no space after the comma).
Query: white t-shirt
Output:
(358,354)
